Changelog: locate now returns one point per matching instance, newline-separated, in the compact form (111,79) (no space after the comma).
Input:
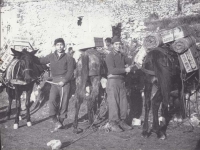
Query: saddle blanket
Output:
(10,70)
(11,76)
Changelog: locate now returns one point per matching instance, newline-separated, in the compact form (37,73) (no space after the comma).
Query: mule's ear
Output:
(34,52)
(16,53)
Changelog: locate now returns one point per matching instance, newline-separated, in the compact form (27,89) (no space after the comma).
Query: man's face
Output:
(71,52)
(107,43)
(60,47)
(117,46)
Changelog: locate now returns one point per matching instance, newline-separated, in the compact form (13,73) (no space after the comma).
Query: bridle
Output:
(27,69)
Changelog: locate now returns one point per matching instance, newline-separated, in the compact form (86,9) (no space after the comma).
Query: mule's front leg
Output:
(90,111)
(156,101)
(93,99)
(18,106)
(147,93)
(10,93)
(77,108)
(145,132)
(28,95)
(162,131)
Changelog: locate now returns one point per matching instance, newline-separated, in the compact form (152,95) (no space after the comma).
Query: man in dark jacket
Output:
(117,99)
(62,68)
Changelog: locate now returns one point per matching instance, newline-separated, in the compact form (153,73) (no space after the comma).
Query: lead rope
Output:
(96,118)
(61,98)
(84,134)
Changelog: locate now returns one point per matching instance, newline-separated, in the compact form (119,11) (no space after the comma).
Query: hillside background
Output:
(41,21)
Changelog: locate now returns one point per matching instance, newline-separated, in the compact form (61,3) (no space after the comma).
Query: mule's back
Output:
(96,63)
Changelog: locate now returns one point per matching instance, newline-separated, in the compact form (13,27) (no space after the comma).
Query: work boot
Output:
(56,122)
(58,125)
(114,127)
(124,126)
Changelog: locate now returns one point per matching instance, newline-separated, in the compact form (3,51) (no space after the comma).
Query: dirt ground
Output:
(180,137)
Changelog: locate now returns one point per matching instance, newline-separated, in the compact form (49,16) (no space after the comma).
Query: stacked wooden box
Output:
(183,40)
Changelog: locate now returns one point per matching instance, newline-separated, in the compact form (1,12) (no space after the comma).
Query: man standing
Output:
(62,68)
(117,99)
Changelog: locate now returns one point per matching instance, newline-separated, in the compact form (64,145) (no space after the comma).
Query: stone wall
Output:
(41,21)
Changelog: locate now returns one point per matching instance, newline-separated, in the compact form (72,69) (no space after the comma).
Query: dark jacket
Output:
(116,63)
(62,66)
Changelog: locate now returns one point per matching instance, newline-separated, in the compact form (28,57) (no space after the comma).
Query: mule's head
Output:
(26,60)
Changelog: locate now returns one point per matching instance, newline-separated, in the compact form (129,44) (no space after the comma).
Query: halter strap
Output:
(150,72)
(27,70)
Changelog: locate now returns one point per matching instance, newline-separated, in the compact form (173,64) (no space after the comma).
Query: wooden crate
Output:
(98,42)
(6,59)
(189,61)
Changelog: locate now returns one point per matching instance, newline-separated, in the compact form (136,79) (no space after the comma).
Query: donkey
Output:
(162,81)
(21,75)
(89,70)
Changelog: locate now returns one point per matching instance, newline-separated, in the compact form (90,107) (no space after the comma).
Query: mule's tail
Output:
(83,75)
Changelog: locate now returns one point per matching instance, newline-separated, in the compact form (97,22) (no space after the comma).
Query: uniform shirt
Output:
(116,62)
(62,66)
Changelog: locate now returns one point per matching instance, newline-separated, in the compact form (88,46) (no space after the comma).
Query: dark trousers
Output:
(135,104)
(117,100)
(55,99)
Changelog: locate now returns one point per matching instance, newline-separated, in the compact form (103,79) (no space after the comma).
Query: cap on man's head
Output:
(108,39)
(59,40)
(116,39)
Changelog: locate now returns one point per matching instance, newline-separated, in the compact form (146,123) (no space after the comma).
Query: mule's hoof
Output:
(163,137)
(145,134)
(29,124)
(16,126)
(20,117)
(77,131)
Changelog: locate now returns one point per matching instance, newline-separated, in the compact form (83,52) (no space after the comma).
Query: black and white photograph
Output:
(100,74)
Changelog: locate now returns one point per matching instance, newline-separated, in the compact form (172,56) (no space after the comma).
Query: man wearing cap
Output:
(62,68)
(117,99)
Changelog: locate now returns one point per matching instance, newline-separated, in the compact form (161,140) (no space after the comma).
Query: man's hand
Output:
(48,65)
(138,65)
(61,83)
(128,69)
